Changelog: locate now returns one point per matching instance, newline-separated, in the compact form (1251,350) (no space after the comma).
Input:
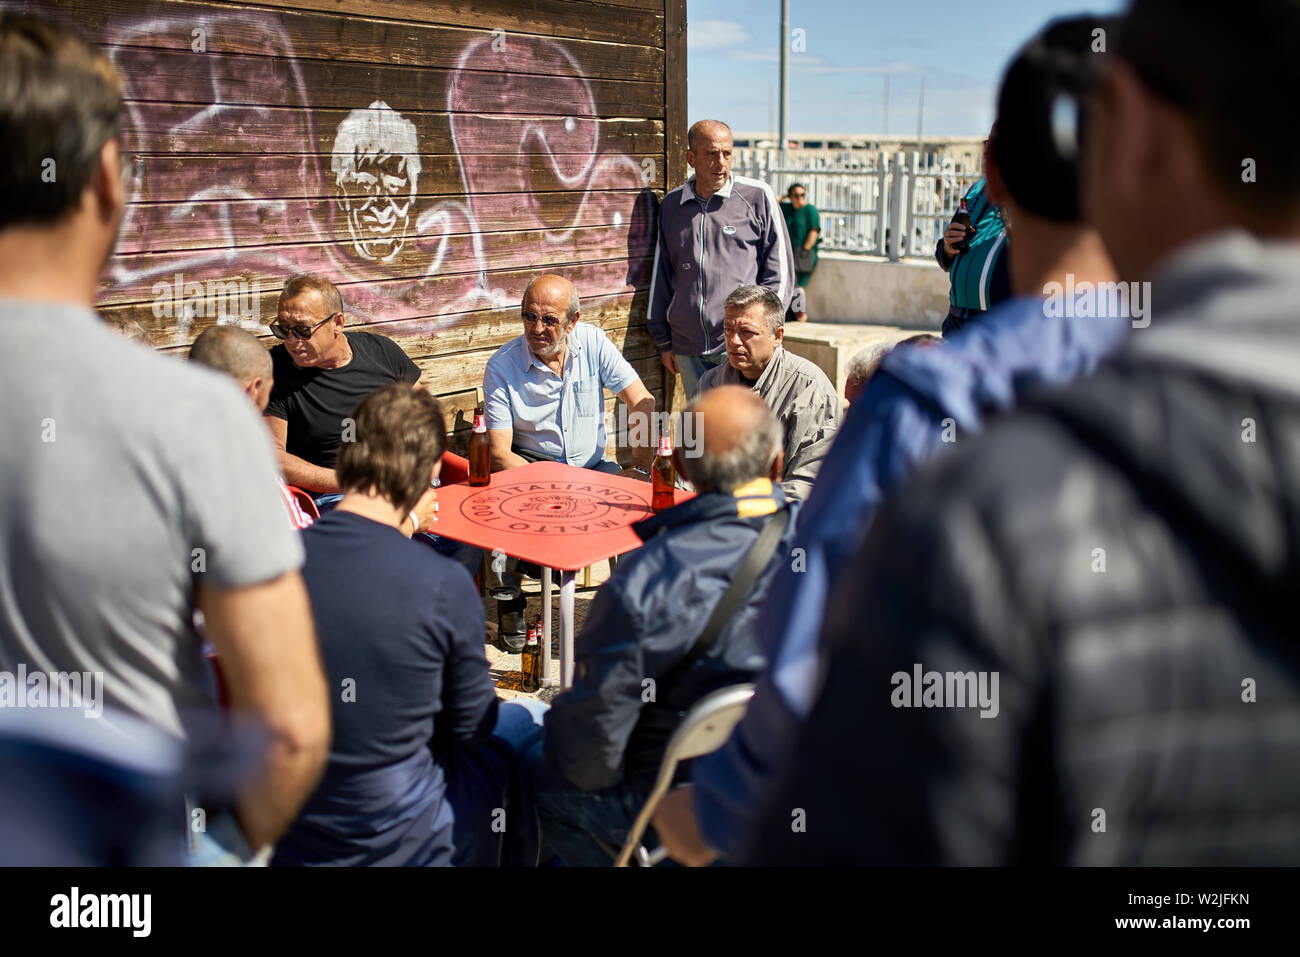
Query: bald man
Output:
(544,401)
(716,232)
(241,356)
(636,669)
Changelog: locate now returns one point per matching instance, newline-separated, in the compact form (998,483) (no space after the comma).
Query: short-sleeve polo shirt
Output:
(560,418)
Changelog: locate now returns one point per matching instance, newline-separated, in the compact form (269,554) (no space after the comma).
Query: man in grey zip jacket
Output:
(716,232)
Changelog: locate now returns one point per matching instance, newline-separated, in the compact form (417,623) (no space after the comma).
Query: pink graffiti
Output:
(284,226)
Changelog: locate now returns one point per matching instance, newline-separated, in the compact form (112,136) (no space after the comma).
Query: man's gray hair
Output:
(745,296)
(750,459)
(575,303)
(866,361)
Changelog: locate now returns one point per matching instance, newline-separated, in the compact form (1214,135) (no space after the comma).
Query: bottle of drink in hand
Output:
(663,477)
(963,219)
(480,458)
(530,661)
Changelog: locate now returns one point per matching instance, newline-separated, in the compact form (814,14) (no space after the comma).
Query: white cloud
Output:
(715,34)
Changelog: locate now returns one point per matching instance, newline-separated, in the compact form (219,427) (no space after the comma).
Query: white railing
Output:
(861,194)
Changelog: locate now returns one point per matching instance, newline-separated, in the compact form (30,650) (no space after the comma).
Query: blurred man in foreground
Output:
(118,517)
(1120,559)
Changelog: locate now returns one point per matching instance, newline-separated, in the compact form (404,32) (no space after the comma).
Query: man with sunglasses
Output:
(321,375)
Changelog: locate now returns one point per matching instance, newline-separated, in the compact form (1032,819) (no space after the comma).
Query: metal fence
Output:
(861,195)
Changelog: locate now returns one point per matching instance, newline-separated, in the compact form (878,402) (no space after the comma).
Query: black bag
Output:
(804,259)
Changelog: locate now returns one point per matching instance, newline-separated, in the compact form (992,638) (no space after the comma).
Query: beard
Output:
(551,352)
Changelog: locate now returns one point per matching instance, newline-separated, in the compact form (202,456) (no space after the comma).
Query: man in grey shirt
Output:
(133,488)
(803,399)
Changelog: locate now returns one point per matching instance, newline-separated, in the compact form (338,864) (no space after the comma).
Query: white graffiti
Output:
(376,165)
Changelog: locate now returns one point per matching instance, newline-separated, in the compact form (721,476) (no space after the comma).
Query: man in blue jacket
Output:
(716,232)
(921,401)
(605,736)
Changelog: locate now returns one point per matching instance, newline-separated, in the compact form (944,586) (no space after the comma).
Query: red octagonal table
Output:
(557,516)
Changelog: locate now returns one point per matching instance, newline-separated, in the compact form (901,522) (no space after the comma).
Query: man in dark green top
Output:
(805,227)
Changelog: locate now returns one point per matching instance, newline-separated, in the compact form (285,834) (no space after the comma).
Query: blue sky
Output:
(837,85)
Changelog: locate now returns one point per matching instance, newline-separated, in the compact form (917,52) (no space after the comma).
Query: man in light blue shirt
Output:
(544,392)
(544,400)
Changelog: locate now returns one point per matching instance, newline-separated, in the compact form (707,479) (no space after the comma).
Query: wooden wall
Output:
(545,130)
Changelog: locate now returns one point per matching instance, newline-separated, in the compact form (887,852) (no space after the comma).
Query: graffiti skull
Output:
(376,164)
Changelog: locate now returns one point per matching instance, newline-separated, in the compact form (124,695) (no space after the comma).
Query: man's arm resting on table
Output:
(503,457)
(298,471)
(640,415)
(266,646)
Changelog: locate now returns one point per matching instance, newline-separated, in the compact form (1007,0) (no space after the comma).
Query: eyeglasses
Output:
(550,322)
(798,195)
(299,330)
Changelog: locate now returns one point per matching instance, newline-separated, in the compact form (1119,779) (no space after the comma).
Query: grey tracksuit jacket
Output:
(705,250)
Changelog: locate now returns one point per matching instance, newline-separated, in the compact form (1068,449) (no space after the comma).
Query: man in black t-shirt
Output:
(321,375)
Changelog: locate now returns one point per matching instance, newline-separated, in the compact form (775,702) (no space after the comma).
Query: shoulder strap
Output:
(755,560)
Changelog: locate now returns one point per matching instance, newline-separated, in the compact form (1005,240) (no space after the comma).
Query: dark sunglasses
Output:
(299,330)
(798,195)
(550,322)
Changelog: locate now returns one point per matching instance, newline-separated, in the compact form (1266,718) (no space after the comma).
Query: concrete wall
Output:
(870,289)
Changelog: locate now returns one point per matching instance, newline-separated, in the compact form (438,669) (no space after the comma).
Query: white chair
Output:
(705,728)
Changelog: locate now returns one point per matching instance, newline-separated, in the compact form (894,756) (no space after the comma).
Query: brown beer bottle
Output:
(663,477)
(480,453)
(963,219)
(530,662)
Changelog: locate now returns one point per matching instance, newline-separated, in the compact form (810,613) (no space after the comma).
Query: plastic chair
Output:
(305,501)
(705,728)
(455,468)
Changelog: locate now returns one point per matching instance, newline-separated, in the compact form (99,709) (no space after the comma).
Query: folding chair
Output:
(705,728)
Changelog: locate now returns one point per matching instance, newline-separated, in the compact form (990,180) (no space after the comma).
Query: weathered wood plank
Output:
(557,18)
(223,222)
(461,261)
(389,302)
(165,178)
(621,317)
(169,128)
(169,24)
(171,76)
(676,122)
(463,371)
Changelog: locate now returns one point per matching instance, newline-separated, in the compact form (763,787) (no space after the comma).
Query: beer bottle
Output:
(963,219)
(663,477)
(530,662)
(480,452)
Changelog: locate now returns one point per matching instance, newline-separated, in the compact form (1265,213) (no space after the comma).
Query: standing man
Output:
(716,232)
(805,228)
(798,392)
(118,517)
